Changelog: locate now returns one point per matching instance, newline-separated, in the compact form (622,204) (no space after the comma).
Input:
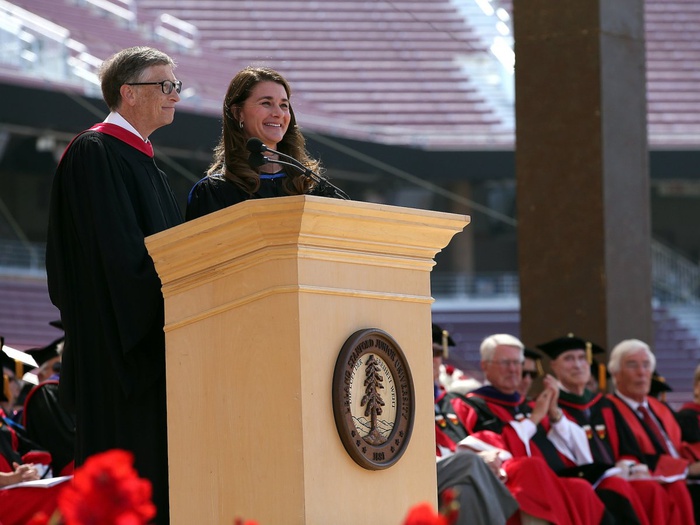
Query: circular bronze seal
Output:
(373,399)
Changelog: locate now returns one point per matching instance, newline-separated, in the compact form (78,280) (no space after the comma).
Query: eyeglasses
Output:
(507,362)
(532,374)
(166,85)
(635,365)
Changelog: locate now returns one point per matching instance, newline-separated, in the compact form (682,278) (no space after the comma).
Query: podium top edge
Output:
(315,204)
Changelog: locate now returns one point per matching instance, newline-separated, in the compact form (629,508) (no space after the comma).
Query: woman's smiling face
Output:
(266,113)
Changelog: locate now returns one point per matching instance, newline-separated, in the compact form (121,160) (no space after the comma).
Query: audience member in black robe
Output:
(604,438)
(51,426)
(257,105)
(48,359)
(689,417)
(108,195)
(532,369)
(15,364)
(20,461)
(44,419)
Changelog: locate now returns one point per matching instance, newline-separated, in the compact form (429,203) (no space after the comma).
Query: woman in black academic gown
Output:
(257,106)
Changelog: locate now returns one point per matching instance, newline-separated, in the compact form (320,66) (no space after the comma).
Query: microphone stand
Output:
(323,184)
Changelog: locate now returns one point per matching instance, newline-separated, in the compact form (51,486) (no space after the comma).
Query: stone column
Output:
(582,170)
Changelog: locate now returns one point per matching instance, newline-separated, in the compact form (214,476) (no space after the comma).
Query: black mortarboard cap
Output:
(442,337)
(16,360)
(45,353)
(536,356)
(558,346)
(57,324)
(658,385)
(531,354)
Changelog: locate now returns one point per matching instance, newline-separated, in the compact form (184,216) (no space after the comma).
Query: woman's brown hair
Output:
(231,155)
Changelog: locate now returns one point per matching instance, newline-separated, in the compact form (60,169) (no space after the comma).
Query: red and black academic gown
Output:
(655,456)
(688,418)
(610,440)
(464,470)
(50,425)
(108,195)
(18,505)
(486,413)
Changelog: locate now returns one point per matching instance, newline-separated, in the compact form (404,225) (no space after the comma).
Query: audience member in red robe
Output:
(652,422)
(495,415)
(482,497)
(18,505)
(606,437)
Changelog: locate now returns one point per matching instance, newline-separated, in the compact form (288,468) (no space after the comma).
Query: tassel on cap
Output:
(602,378)
(558,346)
(442,337)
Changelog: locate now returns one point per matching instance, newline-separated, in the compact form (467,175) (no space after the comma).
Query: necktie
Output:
(602,451)
(653,426)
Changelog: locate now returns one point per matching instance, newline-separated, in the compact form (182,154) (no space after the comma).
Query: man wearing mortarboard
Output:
(48,358)
(20,458)
(607,438)
(447,376)
(532,369)
(496,415)
(46,421)
(15,364)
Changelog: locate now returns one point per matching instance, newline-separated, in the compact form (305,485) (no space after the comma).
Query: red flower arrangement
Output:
(106,490)
(423,513)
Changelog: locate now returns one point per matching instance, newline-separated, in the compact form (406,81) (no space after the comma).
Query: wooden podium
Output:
(259,300)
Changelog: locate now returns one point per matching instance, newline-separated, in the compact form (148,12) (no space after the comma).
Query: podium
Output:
(259,300)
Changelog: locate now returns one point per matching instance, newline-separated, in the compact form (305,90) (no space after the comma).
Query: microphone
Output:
(256,159)
(255,145)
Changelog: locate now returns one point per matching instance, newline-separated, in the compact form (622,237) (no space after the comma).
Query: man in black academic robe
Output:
(108,195)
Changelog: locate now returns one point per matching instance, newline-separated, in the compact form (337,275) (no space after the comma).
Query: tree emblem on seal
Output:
(373,399)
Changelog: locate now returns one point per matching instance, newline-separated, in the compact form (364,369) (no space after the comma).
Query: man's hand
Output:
(493,462)
(21,473)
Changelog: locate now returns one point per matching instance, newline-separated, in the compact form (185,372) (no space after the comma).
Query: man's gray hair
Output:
(488,345)
(626,347)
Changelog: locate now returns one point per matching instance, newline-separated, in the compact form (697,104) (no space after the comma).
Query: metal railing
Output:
(22,258)
(675,279)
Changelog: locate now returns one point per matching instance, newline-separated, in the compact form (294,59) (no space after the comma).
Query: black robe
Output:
(107,196)
(609,437)
(50,425)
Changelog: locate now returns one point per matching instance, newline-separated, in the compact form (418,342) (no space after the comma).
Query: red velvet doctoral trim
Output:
(664,414)
(125,136)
